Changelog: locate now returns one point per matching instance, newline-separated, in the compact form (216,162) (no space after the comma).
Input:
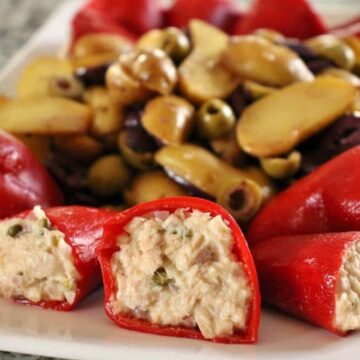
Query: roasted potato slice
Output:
(107,115)
(44,116)
(201,76)
(34,79)
(274,125)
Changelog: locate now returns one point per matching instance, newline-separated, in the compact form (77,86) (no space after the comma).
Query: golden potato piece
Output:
(44,116)
(39,145)
(107,115)
(94,60)
(255,58)
(92,44)
(34,79)
(281,168)
(150,186)
(201,76)
(168,118)
(275,124)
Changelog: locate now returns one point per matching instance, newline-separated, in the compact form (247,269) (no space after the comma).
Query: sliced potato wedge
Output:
(34,79)
(201,76)
(44,116)
(255,58)
(275,124)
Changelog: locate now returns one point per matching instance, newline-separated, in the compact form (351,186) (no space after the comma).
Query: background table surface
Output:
(20,18)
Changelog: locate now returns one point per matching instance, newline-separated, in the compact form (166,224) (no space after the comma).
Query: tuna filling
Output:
(178,269)
(347,309)
(35,261)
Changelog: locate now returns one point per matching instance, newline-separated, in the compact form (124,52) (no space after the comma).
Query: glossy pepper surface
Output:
(299,274)
(24,182)
(83,229)
(327,200)
(108,247)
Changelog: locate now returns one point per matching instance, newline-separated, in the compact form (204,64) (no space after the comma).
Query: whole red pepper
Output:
(327,200)
(221,13)
(83,229)
(108,247)
(292,18)
(24,182)
(300,274)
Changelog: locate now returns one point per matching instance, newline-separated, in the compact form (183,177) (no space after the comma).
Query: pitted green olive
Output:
(228,149)
(66,86)
(257,91)
(151,186)
(334,49)
(171,40)
(169,119)
(214,119)
(281,168)
(203,170)
(108,175)
(139,160)
(254,58)
(241,198)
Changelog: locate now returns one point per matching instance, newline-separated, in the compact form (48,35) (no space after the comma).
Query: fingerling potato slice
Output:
(34,79)
(44,116)
(275,124)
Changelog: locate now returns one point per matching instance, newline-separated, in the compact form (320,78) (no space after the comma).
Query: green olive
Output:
(108,175)
(139,160)
(66,86)
(334,49)
(241,198)
(215,119)
(150,186)
(281,168)
(171,40)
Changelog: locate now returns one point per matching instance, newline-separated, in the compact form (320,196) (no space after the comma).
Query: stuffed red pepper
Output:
(24,182)
(180,267)
(48,257)
(313,277)
(327,200)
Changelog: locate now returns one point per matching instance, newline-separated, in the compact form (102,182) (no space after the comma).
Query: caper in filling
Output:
(35,261)
(178,269)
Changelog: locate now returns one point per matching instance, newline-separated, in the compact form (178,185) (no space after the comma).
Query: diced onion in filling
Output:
(347,308)
(180,271)
(35,261)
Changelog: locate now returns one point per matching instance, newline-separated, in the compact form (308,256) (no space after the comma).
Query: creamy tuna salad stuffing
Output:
(178,269)
(35,261)
(347,310)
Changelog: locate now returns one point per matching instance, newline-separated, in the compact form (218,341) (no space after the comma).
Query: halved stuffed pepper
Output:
(47,258)
(180,267)
(313,277)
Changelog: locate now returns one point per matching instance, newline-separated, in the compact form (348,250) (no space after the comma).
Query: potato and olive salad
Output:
(194,112)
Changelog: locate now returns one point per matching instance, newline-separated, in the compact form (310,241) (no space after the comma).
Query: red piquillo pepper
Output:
(312,277)
(327,200)
(24,182)
(81,228)
(110,247)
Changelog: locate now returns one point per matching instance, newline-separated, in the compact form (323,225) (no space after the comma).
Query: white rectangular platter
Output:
(88,334)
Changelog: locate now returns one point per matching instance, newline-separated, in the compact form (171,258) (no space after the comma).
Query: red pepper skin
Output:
(83,229)
(298,276)
(108,247)
(89,21)
(349,28)
(24,182)
(292,18)
(221,13)
(327,200)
